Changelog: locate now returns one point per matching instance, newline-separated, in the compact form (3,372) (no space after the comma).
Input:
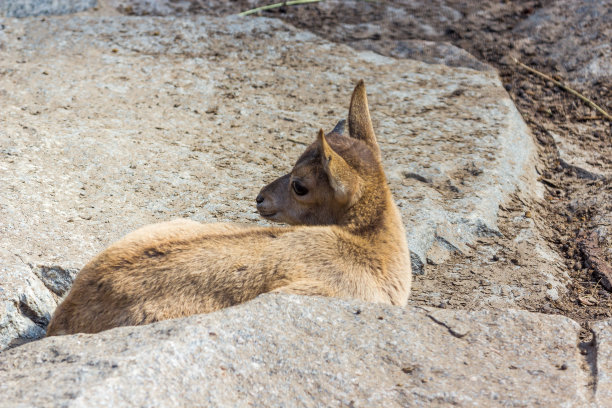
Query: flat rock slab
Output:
(300,351)
(109,124)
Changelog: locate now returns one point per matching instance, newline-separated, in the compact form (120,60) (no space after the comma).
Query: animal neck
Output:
(374,215)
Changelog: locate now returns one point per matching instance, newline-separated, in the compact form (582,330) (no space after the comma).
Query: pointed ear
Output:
(345,182)
(360,124)
(339,129)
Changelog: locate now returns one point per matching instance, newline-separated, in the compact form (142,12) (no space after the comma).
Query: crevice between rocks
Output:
(40,320)
(34,305)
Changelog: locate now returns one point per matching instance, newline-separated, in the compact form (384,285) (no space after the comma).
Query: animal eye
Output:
(299,188)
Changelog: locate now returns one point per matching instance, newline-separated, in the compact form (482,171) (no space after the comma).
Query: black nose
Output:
(259,199)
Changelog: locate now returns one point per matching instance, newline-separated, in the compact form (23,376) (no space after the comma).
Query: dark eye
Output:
(299,188)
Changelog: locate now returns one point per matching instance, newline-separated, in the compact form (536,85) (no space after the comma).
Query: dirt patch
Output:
(574,216)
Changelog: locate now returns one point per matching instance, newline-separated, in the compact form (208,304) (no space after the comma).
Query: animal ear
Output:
(345,182)
(339,128)
(360,124)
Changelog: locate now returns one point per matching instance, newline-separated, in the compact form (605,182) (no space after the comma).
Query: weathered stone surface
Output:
(603,362)
(300,351)
(26,304)
(427,51)
(112,123)
(57,279)
(574,36)
(24,8)
(581,160)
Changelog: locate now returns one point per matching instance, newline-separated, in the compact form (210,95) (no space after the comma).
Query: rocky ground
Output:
(98,108)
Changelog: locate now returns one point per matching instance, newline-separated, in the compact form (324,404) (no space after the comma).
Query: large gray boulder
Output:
(302,351)
(111,123)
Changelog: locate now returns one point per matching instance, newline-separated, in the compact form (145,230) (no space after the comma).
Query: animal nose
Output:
(259,199)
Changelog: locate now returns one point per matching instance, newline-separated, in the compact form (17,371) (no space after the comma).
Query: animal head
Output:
(334,173)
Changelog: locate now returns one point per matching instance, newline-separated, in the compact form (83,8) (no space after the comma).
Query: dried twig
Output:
(276,5)
(549,182)
(297,142)
(566,88)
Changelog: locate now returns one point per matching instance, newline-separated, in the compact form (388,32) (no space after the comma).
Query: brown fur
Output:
(347,240)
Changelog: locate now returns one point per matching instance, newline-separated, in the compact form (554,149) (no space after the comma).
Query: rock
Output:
(24,8)
(26,304)
(449,238)
(594,256)
(438,253)
(452,237)
(301,351)
(57,279)
(580,160)
(111,123)
(574,36)
(601,361)
(427,51)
